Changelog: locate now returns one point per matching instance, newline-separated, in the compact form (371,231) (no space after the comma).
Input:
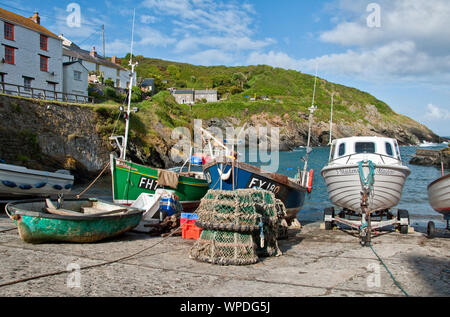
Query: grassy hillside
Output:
(289,91)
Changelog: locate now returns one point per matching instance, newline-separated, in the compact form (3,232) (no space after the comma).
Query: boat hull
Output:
(248,176)
(130,180)
(22,182)
(38,227)
(344,186)
(439,195)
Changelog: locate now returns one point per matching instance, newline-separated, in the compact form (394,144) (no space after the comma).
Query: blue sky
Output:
(404,62)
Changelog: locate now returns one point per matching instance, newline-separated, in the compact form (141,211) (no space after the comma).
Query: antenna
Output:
(103,33)
(331,120)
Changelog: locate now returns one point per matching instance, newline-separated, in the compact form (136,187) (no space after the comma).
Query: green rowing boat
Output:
(79,221)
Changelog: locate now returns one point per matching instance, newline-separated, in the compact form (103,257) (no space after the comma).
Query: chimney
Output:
(93,52)
(114,59)
(36,18)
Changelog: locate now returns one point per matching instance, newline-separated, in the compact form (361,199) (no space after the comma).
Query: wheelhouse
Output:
(373,148)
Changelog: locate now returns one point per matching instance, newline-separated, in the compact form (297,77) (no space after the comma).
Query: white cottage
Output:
(75,79)
(102,67)
(30,55)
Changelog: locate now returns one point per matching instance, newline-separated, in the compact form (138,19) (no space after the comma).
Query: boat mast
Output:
(130,90)
(331,120)
(311,117)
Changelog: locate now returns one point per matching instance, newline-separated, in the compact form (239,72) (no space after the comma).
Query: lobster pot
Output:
(238,226)
(225,248)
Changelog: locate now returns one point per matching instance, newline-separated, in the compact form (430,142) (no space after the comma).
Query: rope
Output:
(390,273)
(95,180)
(368,181)
(91,266)
(7,230)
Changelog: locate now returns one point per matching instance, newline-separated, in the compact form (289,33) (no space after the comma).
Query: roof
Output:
(148,82)
(25,22)
(76,52)
(74,62)
(212,92)
(183,92)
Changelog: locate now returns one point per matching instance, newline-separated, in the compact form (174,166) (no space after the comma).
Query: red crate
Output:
(190,231)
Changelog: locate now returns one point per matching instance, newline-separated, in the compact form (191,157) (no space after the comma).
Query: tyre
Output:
(431,230)
(328,225)
(404,229)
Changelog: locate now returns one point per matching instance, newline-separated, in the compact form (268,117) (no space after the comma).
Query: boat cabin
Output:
(379,150)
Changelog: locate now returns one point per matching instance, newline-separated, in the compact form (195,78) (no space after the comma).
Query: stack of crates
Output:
(189,229)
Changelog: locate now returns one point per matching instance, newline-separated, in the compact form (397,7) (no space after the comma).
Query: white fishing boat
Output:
(365,177)
(439,197)
(23,182)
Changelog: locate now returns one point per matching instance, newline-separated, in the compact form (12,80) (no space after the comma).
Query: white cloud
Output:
(275,59)
(435,113)
(412,43)
(147,19)
(211,57)
(153,37)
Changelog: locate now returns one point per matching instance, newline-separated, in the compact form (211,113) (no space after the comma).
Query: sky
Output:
(396,50)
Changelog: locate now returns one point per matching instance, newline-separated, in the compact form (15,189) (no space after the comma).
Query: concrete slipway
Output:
(315,263)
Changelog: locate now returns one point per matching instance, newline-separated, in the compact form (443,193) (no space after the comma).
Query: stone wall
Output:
(37,133)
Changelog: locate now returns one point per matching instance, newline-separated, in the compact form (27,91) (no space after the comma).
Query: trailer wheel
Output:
(404,229)
(431,230)
(328,212)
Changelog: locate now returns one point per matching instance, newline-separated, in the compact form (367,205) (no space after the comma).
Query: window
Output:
(44,63)
(118,72)
(44,42)
(77,75)
(9,31)
(389,150)
(27,83)
(9,55)
(117,83)
(365,147)
(342,149)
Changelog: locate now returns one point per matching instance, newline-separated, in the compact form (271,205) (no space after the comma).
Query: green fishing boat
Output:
(130,180)
(75,221)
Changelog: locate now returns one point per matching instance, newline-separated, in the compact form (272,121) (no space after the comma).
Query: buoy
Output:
(57,187)
(310,181)
(25,187)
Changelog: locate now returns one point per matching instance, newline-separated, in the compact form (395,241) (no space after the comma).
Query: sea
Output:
(414,198)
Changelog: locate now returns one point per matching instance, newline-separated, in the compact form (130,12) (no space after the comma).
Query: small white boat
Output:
(343,179)
(439,195)
(21,181)
(365,177)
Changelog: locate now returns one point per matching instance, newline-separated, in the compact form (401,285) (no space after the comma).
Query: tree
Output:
(239,79)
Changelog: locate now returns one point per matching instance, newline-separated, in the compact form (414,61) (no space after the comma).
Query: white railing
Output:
(38,93)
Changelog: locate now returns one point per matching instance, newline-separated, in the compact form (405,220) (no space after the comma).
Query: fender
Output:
(310,181)
(224,176)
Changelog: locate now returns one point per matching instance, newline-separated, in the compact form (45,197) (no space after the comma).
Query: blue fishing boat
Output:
(224,174)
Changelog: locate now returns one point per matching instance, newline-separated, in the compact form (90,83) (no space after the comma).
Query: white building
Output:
(75,79)
(102,67)
(30,55)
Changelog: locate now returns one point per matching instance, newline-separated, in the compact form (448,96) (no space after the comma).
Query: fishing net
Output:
(238,226)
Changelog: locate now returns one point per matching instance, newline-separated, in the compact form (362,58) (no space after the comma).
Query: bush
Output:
(110,93)
(136,94)
(109,82)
